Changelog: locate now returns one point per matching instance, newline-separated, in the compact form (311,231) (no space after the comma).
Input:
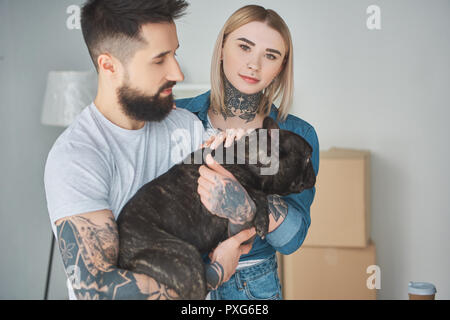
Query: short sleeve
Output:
(193,127)
(197,130)
(76,179)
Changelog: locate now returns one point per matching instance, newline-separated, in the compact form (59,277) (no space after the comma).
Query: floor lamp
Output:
(66,95)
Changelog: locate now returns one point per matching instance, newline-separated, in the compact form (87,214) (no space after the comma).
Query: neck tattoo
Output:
(238,104)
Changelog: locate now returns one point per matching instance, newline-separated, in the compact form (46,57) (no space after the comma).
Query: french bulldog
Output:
(164,229)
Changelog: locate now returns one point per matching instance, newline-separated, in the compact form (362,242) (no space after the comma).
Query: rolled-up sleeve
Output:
(291,233)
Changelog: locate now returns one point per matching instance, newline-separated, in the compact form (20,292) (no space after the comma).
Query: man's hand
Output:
(225,258)
(223,195)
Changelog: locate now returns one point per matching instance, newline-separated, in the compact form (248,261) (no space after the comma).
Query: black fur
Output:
(164,229)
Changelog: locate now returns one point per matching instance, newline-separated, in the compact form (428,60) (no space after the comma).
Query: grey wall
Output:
(385,90)
(34,40)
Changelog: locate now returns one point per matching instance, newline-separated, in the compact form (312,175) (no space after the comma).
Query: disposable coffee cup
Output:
(421,291)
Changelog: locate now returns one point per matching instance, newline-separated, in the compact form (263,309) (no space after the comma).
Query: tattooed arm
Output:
(231,199)
(278,209)
(223,195)
(89,246)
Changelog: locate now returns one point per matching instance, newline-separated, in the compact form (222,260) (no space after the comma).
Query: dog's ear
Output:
(290,141)
(269,124)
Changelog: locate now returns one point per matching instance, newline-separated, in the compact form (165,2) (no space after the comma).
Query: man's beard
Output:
(142,107)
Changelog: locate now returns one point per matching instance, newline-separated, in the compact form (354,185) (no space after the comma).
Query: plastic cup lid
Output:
(421,288)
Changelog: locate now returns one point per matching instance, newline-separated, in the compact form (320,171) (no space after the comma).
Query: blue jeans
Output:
(257,282)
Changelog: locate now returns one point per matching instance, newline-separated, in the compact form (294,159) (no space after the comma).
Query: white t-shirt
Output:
(96,165)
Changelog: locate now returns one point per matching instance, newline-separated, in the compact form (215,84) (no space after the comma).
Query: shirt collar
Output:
(200,105)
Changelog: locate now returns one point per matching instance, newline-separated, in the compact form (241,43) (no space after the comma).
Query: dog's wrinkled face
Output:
(295,171)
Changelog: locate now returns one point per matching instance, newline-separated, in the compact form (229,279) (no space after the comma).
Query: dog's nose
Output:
(298,188)
(311,182)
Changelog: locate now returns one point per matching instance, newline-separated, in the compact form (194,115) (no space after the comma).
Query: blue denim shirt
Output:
(291,233)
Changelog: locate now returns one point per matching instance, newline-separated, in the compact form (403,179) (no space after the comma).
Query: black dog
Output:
(164,229)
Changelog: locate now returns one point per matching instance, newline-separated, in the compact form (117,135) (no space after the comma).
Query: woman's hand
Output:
(229,137)
(223,195)
(225,258)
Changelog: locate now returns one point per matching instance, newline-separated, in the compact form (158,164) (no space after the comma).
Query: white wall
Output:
(384,90)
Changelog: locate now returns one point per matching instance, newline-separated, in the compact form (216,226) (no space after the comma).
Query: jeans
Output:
(257,282)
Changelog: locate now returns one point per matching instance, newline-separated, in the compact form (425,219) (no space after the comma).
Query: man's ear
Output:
(106,63)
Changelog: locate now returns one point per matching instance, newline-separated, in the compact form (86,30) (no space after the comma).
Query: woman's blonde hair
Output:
(282,85)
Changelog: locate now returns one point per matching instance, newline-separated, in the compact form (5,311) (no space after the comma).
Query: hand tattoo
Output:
(233,202)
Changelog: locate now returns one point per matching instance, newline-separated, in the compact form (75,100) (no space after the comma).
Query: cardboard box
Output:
(313,273)
(340,213)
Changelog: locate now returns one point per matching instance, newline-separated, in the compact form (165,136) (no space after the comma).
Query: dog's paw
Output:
(262,225)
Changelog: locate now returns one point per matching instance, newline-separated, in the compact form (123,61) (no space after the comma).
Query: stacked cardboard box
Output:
(333,260)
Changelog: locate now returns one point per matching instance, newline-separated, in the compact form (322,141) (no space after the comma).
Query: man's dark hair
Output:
(114,26)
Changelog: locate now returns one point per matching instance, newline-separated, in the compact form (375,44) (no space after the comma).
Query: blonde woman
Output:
(252,65)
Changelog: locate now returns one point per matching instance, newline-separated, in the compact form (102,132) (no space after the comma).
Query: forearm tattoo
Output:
(90,254)
(277,207)
(233,202)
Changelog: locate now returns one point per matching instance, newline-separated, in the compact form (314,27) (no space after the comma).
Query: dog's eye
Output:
(306,163)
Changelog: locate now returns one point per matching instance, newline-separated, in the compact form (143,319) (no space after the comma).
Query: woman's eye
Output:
(244,47)
(270,56)
(159,62)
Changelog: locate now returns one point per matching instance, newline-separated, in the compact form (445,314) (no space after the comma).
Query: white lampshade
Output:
(67,94)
